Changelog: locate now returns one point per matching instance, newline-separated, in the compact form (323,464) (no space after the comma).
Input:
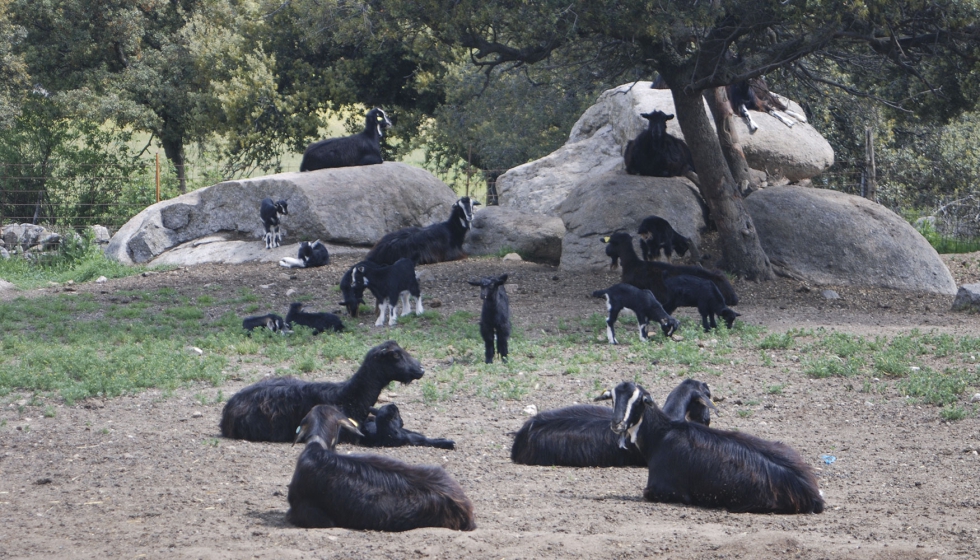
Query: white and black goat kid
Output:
(363,148)
(495,315)
(390,284)
(754,94)
(309,255)
(271,321)
(642,303)
(439,242)
(352,293)
(270,212)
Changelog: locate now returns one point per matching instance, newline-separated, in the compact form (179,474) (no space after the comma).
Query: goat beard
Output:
(614,263)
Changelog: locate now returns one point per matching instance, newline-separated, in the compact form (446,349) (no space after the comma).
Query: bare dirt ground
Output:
(148,476)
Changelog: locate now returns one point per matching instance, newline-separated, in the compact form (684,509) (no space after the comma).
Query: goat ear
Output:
(669,117)
(648,400)
(502,278)
(605,396)
(707,402)
(474,283)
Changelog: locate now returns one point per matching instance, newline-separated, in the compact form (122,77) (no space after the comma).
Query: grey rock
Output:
(225,248)
(4,254)
(830,238)
(101,234)
(4,285)
(22,236)
(967,298)
(830,294)
(495,228)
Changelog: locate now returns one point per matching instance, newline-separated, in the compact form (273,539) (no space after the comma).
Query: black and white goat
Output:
(642,303)
(319,322)
(271,321)
(691,291)
(657,235)
(270,212)
(439,242)
(271,409)
(754,94)
(494,316)
(387,429)
(363,148)
(579,436)
(655,153)
(353,294)
(389,285)
(696,465)
(309,255)
(367,492)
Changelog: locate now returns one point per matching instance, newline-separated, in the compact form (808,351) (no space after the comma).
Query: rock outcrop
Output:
(496,228)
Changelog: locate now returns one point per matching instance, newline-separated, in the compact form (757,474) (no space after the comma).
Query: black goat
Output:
(271,321)
(579,436)
(696,465)
(656,235)
(691,291)
(309,255)
(495,315)
(319,322)
(649,275)
(389,285)
(388,430)
(438,242)
(367,492)
(641,302)
(363,148)
(270,212)
(655,153)
(754,94)
(354,294)
(271,409)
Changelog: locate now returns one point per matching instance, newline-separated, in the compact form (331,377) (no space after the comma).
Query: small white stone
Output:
(512,257)
(265,286)
(196,414)
(101,280)
(975,398)
(195,350)
(530,410)
(290,292)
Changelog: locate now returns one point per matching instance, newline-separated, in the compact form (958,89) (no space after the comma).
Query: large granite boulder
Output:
(25,237)
(596,143)
(828,237)
(615,201)
(535,237)
(345,206)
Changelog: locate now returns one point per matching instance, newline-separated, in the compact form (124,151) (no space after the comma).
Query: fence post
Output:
(158,177)
(871,192)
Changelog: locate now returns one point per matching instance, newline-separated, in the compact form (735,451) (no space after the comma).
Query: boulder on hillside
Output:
(596,143)
(346,206)
(24,237)
(828,237)
(226,249)
(535,237)
(967,298)
(615,201)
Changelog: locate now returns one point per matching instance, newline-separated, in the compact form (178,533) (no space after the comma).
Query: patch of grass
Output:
(936,388)
(777,341)
(830,366)
(952,413)
(776,389)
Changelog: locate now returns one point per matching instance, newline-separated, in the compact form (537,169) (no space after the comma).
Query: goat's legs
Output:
(382,312)
(392,314)
(610,321)
(488,348)
(744,113)
(781,118)
(502,346)
(406,304)
(418,305)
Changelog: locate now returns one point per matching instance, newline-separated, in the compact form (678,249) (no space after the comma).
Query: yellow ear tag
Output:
(605,240)
(380,118)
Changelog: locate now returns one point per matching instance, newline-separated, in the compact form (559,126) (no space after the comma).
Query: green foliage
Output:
(939,389)
(79,259)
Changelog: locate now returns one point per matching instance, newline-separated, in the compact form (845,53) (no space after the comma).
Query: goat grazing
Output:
(270,212)
(656,235)
(655,153)
(495,315)
(389,284)
(319,322)
(388,430)
(309,255)
(691,291)
(367,492)
(439,242)
(640,302)
(363,148)
(271,321)
(579,436)
(754,94)
(696,465)
(354,294)
(271,409)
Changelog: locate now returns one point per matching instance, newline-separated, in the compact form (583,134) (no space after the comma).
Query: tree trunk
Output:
(721,110)
(739,239)
(174,150)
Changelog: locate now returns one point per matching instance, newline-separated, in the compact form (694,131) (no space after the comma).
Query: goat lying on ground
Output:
(367,492)
(271,321)
(319,322)
(271,409)
(655,153)
(649,275)
(386,429)
(390,284)
(691,291)
(494,316)
(579,436)
(354,294)
(309,255)
(656,235)
(363,148)
(754,94)
(696,465)
(270,211)
(438,242)
(640,302)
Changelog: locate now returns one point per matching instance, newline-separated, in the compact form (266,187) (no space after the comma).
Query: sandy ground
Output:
(148,476)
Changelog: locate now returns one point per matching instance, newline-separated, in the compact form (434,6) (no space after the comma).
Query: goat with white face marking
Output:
(495,315)
(271,321)
(310,255)
(439,242)
(363,148)
(642,303)
(655,153)
(696,465)
(270,212)
(390,284)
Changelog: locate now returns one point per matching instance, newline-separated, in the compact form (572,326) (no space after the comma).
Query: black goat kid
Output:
(656,153)
(354,293)
(691,291)
(319,322)
(310,255)
(657,235)
(389,285)
(270,212)
(363,148)
(367,492)
(495,316)
(642,303)
(271,321)
(387,429)
(439,242)
(696,465)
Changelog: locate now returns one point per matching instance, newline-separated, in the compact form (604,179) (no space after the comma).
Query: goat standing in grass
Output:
(270,212)
(495,315)
(642,303)
(389,284)
(692,291)
(363,148)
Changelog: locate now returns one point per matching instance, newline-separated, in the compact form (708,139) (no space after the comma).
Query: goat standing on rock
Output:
(655,153)
(363,148)
(495,316)
(270,212)
(439,242)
